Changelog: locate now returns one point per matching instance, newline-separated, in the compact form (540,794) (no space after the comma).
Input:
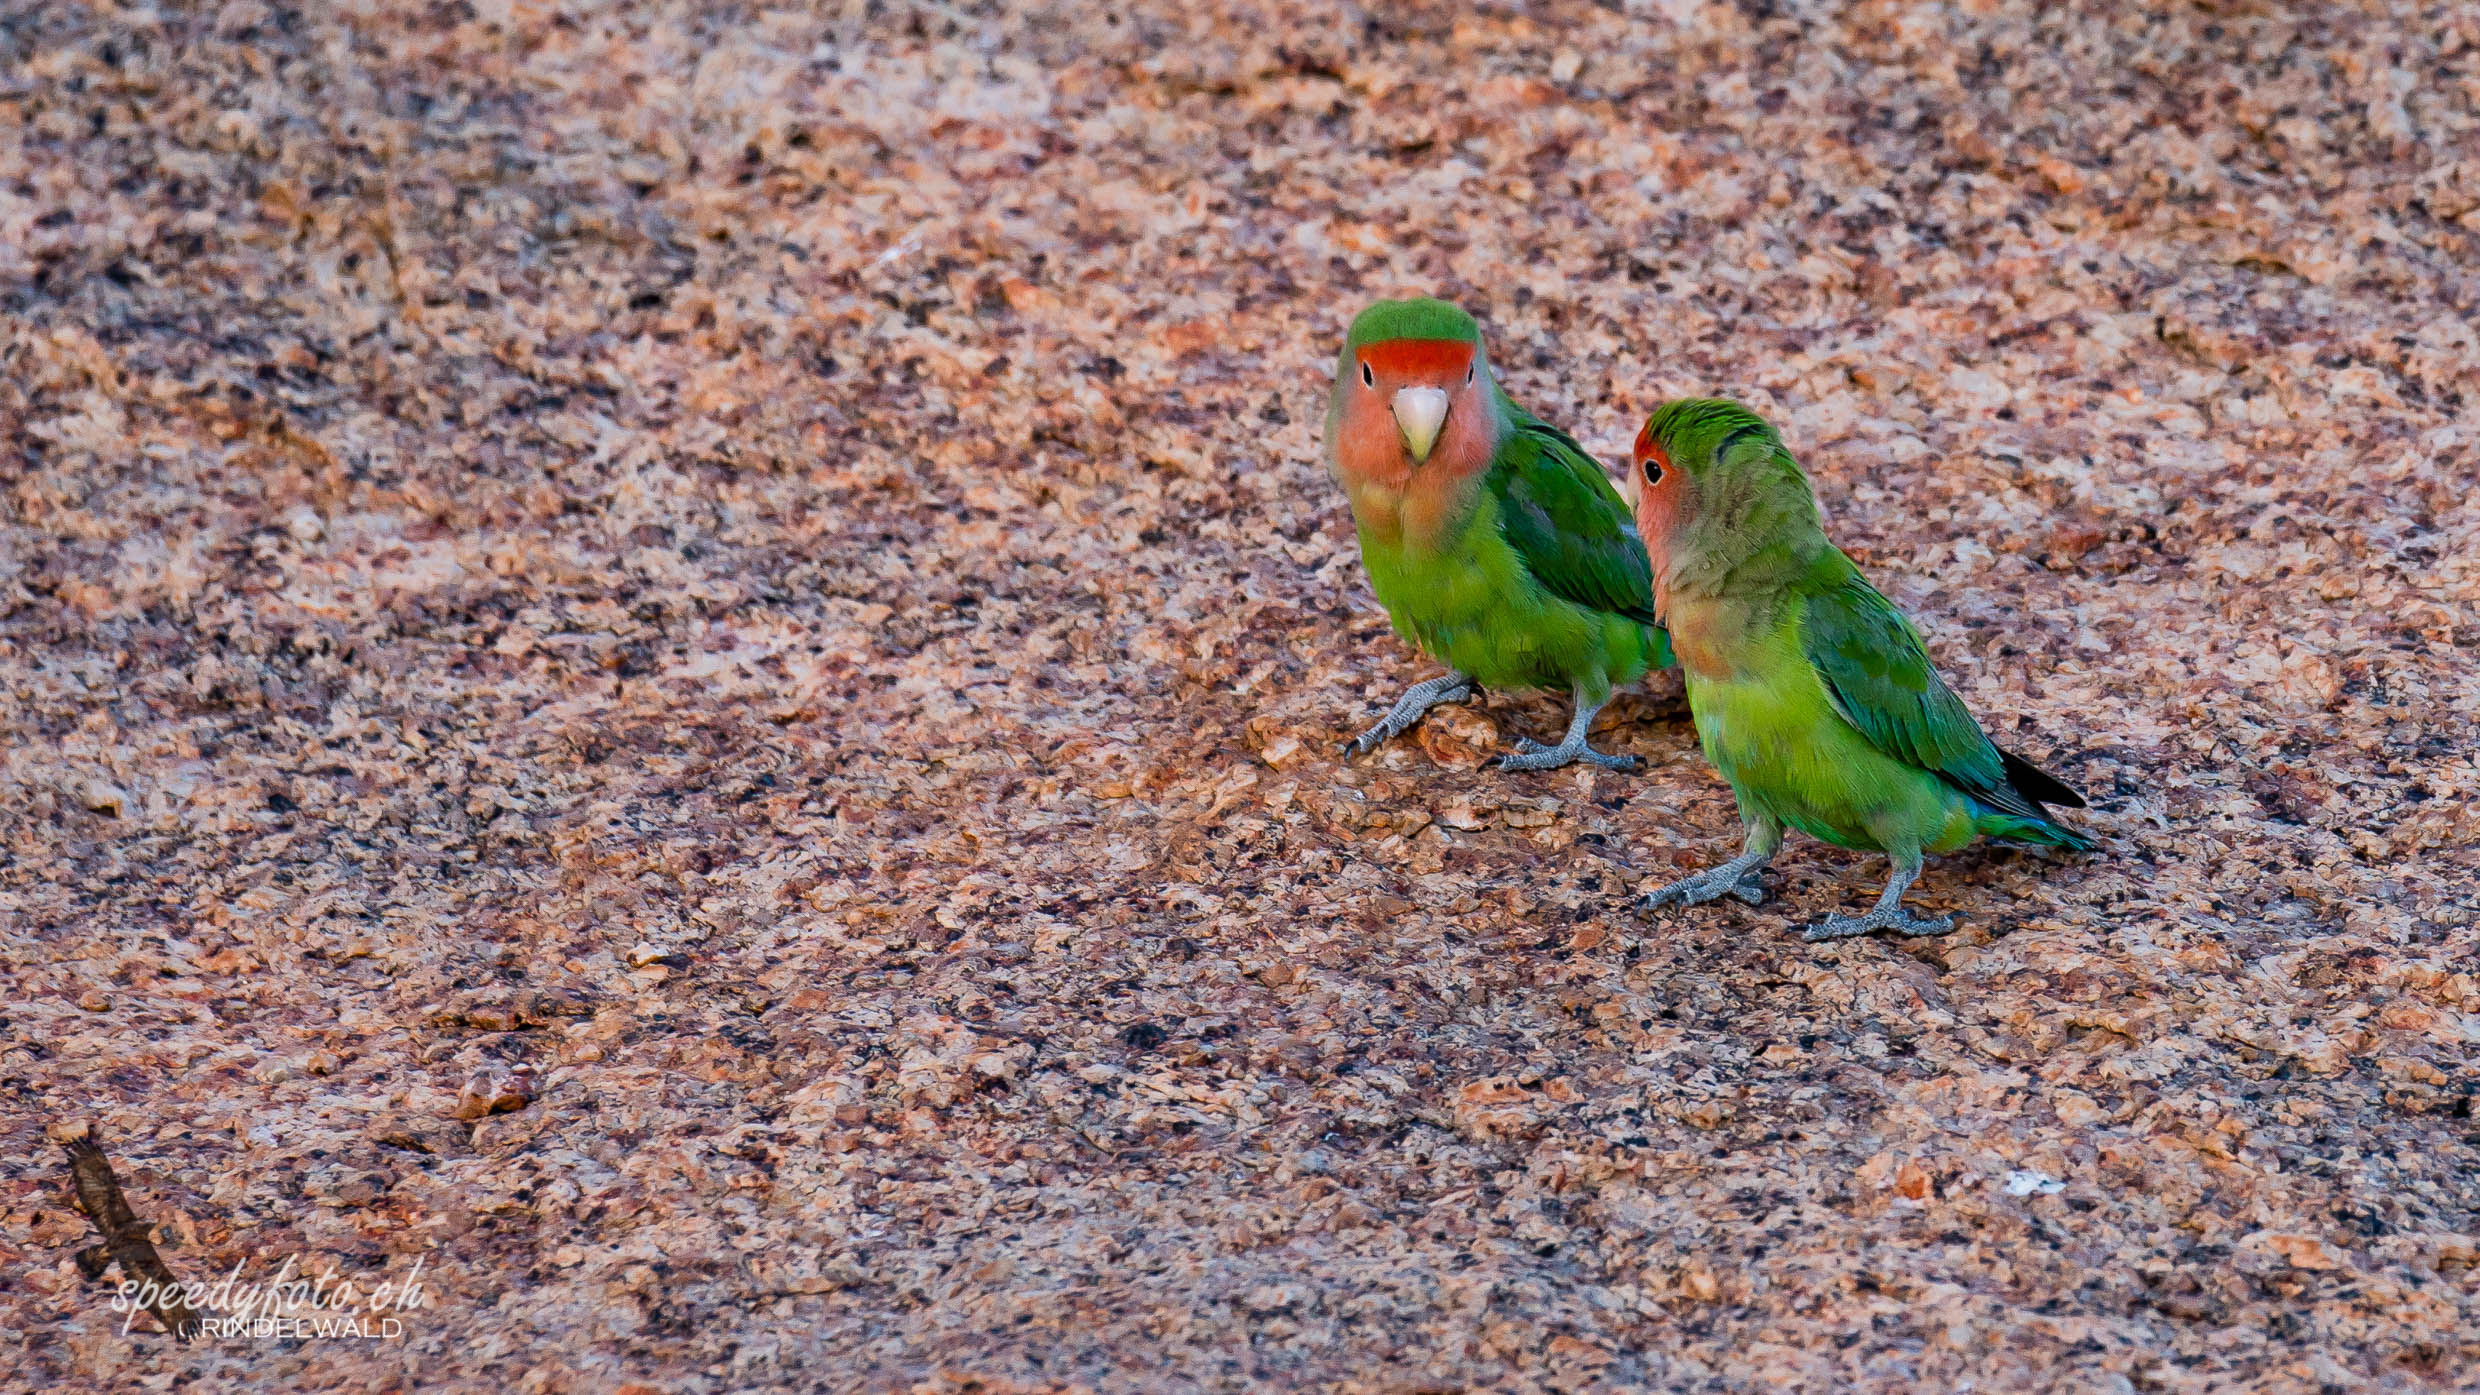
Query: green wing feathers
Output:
(1566,520)
(1877,674)
(1877,671)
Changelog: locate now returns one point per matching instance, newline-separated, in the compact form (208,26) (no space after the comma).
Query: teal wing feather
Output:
(1878,676)
(1566,520)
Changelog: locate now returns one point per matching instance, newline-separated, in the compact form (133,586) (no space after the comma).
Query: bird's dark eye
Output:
(1368,379)
(1650,457)
(1469,370)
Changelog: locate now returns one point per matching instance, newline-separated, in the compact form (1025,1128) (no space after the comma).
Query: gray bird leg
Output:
(1417,699)
(1738,877)
(1532,755)
(1888,914)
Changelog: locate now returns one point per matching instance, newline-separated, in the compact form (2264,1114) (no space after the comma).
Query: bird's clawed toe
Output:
(1417,699)
(1710,885)
(1844,927)
(1532,755)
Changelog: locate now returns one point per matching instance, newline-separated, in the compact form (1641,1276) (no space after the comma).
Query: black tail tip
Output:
(2036,784)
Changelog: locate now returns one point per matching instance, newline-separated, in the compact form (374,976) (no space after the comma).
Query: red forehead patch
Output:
(1434,359)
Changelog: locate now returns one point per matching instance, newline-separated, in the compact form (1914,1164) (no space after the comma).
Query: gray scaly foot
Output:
(1843,927)
(1740,877)
(1887,914)
(1417,699)
(1532,755)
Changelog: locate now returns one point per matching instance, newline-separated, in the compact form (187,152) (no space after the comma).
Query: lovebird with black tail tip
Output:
(1812,694)
(1496,544)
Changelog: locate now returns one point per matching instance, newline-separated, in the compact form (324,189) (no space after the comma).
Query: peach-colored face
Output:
(1370,445)
(1658,492)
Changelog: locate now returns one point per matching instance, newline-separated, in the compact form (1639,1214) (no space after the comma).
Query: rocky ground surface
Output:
(685,660)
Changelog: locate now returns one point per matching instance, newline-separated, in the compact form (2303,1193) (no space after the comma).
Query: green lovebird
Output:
(1496,544)
(1812,694)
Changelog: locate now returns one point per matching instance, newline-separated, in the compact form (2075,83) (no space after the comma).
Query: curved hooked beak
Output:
(1420,412)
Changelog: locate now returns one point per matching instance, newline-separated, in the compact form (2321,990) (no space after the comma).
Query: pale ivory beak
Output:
(1419,413)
